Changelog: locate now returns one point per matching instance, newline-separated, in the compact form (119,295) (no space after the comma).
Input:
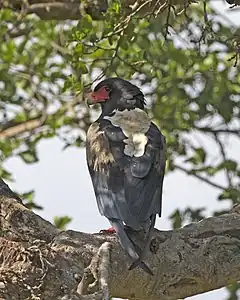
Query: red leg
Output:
(110,230)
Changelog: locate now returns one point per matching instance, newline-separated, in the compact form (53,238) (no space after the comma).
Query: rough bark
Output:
(74,9)
(38,261)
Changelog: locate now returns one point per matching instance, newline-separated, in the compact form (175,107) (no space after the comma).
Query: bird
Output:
(126,160)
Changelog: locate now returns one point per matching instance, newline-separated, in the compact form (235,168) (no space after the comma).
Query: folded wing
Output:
(128,187)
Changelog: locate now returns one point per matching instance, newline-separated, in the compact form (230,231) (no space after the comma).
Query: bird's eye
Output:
(107,89)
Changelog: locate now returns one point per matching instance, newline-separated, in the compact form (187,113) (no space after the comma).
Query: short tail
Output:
(128,246)
(143,253)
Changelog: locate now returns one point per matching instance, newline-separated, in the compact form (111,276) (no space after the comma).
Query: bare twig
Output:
(224,156)
(219,130)
(204,179)
(167,22)
(205,12)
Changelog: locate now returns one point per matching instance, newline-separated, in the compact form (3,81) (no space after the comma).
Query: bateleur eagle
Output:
(126,161)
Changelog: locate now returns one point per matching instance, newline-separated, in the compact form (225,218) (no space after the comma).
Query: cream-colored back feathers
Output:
(134,124)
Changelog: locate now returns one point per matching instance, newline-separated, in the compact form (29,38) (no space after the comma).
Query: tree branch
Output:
(41,262)
(224,158)
(63,9)
(12,129)
(219,131)
(202,178)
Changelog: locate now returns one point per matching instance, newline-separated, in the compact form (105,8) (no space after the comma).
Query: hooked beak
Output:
(89,98)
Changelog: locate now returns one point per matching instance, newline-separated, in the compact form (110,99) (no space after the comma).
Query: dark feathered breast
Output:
(126,160)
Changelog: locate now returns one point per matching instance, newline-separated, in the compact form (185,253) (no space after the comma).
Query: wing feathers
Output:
(127,188)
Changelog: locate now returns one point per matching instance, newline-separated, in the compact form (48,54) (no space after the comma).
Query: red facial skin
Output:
(100,95)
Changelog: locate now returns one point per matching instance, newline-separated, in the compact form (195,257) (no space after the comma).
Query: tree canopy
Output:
(184,56)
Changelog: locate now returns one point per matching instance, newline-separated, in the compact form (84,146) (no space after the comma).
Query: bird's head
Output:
(116,93)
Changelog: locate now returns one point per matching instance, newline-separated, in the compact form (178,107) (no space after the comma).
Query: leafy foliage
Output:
(233,291)
(61,222)
(184,62)
(28,201)
(187,215)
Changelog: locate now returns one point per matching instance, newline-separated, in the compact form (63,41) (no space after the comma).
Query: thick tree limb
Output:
(13,129)
(40,262)
(63,9)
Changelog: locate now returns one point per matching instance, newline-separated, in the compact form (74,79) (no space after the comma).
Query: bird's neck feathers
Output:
(122,104)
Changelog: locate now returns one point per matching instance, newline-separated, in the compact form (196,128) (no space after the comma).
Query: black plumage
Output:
(126,161)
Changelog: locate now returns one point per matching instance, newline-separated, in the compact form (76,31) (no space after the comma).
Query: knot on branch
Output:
(96,275)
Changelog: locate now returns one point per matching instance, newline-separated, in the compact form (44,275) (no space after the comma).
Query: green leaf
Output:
(29,156)
(81,66)
(79,49)
(200,154)
(229,164)
(198,157)
(61,222)
(194,215)
(6,14)
(28,196)
(233,291)
(221,212)
(4,174)
(32,205)
(115,7)
(209,170)
(224,195)
(232,194)
(176,218)
(87,21)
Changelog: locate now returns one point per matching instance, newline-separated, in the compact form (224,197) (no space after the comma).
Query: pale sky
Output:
(63,186)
